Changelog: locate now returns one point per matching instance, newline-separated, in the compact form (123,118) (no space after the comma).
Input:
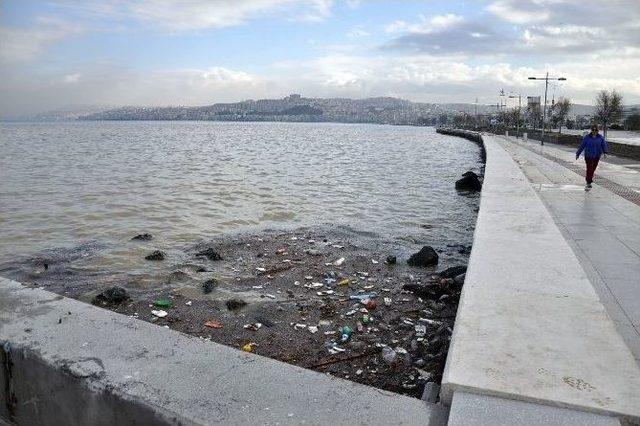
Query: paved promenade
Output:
(601,226)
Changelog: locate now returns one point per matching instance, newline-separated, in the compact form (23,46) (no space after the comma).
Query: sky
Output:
(60,53)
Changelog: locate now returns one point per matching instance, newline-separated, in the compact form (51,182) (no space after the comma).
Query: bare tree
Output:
(608,108)
(559,112)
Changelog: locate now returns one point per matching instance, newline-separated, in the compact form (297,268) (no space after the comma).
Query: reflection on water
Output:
(64,183)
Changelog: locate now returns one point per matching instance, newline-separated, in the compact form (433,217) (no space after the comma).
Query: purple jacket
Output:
(593,147)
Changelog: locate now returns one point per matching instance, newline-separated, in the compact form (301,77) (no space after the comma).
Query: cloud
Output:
(542,28)
(186,15)
(419,77)
(521,12)
(357,32)
(449,36)
(72,78)
(108,84)
(23,44)
(353,4)
(426,25)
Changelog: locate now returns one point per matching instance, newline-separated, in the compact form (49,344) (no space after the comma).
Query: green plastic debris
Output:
(346,333)
(162,303)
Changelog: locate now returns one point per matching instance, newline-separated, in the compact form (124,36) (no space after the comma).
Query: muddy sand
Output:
(329,300)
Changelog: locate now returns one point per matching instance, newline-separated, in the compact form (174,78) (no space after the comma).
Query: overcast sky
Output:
(57,53)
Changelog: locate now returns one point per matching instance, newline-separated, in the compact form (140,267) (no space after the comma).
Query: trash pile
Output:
(325,300)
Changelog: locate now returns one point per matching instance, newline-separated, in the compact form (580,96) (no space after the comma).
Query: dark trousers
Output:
(592,163)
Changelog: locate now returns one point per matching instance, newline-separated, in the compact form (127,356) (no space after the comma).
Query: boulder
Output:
(155,255)
(209,285)
(210,254)
(391,259)
(233,304)
(111,296)
(143,237)
(427,256)
(453,271)
(469,182)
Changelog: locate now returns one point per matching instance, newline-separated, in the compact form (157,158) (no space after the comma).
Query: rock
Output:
(209,285)
(389,356)
(233,304)
(427,256)
(419,363)
(453,271)
(210,254)
(313,252)
(111,296)
(424,291)
(469,182)
(142,237)
(459,279)
(264,320)
(391,259)
(462,249)
(155,255)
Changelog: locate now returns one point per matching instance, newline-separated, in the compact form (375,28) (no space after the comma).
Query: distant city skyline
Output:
(57,53)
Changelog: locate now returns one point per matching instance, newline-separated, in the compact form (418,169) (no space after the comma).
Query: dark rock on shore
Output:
(391,259)
(210,254)
(424,291)
(111,296)
(233,304)
(460,248)
(155,255)
(453,271)
(469,182)
(143,237)
(427,256)
(209,285)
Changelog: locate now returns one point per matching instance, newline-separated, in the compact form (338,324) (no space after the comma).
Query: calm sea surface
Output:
(62,184)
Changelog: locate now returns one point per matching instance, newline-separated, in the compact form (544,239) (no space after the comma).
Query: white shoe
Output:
(587,187)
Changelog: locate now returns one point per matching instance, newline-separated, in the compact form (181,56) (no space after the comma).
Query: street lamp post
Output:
(512,96)
(546,87)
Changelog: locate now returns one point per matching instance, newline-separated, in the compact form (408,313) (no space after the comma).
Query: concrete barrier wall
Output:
(68,363)
(530,326)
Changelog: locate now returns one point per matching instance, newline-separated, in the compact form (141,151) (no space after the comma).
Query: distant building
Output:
(533,102)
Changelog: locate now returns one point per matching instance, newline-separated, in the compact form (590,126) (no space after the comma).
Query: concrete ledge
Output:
(66,362)
(530,325)
(471,409)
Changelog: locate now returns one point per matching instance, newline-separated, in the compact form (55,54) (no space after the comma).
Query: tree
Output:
(534,114)
(559,112)
(608,108)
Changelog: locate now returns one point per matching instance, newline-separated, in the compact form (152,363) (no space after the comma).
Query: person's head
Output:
(594,129)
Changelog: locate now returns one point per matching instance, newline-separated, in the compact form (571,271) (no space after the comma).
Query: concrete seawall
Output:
(69,363)
(530,326)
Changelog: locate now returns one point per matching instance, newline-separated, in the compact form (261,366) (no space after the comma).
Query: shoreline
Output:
(291,287)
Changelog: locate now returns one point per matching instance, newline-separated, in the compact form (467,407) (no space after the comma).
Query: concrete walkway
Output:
(530,326)
(601,226)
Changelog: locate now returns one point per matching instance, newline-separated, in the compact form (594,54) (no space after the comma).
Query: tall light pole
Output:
(513,96)
(546,87)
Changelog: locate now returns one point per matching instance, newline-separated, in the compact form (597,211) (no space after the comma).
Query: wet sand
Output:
(299,295)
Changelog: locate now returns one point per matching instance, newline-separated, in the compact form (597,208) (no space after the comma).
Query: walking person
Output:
(593,145)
